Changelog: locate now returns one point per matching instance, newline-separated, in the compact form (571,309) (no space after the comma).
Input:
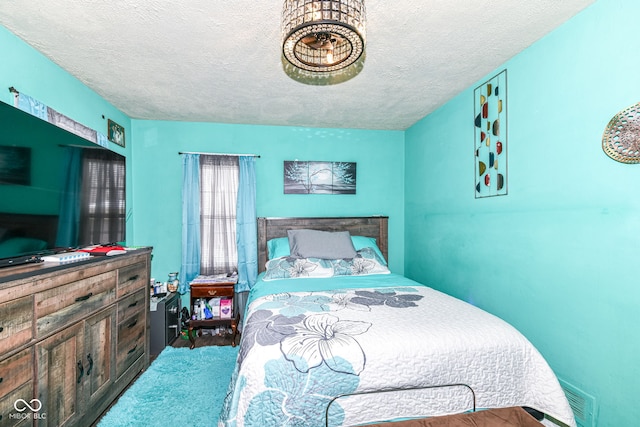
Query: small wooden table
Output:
(224,289)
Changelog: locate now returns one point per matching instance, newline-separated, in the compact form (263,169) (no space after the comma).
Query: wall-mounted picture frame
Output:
(490,141)
(304,177)
(15,165)
(115,133)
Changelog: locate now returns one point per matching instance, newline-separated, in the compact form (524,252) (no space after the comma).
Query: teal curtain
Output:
(190,266)
(246,229)
(69,213)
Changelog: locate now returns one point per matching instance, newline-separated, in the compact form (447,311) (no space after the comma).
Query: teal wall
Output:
(32,73)
(555,257)
(158,177)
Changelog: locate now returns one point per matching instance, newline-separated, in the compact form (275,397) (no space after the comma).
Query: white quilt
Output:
(301,349)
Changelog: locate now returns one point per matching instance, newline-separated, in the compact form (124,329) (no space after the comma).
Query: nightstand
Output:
(221,289)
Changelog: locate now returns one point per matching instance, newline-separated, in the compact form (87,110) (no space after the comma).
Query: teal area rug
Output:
(182,387)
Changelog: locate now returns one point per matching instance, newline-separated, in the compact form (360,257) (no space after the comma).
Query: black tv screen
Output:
(58,191)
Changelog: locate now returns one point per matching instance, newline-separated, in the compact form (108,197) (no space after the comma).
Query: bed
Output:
(342,341)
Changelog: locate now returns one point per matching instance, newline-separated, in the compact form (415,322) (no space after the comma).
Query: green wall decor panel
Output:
(554,257)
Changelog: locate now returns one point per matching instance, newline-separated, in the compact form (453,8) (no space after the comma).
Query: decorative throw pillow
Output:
(361,242)
(278,247)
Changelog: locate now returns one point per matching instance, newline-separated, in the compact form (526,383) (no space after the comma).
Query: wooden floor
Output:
(205,340)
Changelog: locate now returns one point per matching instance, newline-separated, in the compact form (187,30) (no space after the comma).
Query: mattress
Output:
(306,341)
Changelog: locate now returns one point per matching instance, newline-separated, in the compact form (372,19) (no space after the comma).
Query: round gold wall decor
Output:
(621,138)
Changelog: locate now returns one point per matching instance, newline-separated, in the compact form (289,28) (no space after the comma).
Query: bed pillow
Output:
(278,248)
(365,262)
(320,244)
(361,242)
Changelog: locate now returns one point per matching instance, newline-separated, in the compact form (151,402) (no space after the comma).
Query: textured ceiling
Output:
(219,61)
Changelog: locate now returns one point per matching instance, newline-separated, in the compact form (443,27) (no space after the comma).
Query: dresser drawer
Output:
(16,371)
(16,323)
(132,278)
(131,305)
(131,341)
(211,291)
(9,416)
(65,304)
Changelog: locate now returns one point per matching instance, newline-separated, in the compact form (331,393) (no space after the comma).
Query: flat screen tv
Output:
(58,191)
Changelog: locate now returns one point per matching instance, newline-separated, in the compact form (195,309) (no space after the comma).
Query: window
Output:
(218,200)
(102,211)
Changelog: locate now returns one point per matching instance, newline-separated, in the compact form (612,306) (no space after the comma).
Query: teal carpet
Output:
(182,387)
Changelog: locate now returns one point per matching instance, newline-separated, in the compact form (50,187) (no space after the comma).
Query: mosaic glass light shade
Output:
(323,42)
(621,138)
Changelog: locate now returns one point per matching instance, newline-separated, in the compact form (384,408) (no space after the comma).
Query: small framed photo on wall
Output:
(115,133)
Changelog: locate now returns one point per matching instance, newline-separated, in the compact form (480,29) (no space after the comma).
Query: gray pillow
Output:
(321,244)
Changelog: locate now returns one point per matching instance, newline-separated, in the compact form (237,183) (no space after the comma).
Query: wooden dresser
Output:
(72,337)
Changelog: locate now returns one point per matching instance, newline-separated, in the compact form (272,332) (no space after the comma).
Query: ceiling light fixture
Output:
(323,42)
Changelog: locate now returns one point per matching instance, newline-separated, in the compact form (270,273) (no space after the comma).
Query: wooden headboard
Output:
(371,226)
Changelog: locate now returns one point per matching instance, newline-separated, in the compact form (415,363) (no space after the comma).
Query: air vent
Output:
(582,404)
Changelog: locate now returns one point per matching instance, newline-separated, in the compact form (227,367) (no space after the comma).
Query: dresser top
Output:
(27,271)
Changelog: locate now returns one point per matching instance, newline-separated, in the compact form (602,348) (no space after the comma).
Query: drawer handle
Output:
(133,324)
(90,364)
(84,298)
(80,371)
(1,328)
(133,349)
(133,304)
(134,278)
(212,292)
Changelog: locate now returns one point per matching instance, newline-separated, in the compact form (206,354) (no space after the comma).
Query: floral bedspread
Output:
(302,347)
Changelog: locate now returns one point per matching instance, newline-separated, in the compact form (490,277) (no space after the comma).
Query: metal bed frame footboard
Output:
(389,390)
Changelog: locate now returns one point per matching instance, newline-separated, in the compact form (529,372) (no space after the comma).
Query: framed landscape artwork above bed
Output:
(305,177)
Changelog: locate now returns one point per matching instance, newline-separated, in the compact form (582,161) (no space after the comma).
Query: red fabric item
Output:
(102,250)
